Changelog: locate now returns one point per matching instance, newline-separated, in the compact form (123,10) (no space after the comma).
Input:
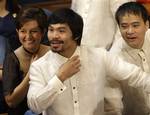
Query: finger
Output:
(74,57)
(77,62)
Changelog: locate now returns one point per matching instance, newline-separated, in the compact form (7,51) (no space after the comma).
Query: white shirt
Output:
(139,104)
(83,93)
(100,26)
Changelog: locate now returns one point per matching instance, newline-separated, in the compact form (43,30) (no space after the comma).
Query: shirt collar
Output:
(62,58)
(129,49)
(77,51)
(146,44)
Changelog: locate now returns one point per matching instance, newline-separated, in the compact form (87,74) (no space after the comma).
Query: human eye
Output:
(61,30)
(22,31)
(124,26)
(34,31)
(50,29)
(136,25)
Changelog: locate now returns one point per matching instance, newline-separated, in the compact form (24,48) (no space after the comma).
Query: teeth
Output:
(56,42)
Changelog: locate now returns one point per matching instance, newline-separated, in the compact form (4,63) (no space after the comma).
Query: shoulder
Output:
(18,52)
(11,60)
(92,48)
(11,56)
(97,51)
(147,35)
(43,49)
(118,45)
(43,60)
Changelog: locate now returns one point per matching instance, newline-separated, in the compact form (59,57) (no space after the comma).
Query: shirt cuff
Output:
(57,84)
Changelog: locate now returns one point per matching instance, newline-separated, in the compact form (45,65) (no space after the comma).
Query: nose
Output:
(28,35)
(55,34)
(130,30)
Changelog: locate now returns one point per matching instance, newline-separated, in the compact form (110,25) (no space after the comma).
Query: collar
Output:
(133,51)
(62,59)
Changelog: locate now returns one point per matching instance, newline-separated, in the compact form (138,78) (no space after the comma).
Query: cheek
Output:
(141,33)
(123,33)
(38,37)
(21,37)
(49,36)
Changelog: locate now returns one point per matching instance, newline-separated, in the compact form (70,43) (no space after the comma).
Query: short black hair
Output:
(70,17)
(131,8)
(32,13)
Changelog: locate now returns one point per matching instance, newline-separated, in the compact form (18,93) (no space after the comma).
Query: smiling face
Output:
(30,36)
(133,28)
(61,39)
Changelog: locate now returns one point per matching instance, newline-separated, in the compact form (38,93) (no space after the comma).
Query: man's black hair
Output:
(68,16)
(131,8)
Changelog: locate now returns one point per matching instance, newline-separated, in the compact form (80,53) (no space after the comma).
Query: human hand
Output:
(68,69)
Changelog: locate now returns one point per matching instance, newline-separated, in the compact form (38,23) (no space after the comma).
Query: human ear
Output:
(147,24)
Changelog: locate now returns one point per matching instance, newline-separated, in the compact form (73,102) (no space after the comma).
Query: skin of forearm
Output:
(19,93)
(0,75)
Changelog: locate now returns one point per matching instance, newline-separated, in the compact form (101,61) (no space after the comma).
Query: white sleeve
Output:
(113,97)
(121,70)
(41,95)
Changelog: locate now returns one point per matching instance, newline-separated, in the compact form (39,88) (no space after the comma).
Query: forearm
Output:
(0,74)
(19,93)
(40,97)
(113,104)
(113,112)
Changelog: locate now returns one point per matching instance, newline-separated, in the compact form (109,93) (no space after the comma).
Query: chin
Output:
(33,50)
(56,50)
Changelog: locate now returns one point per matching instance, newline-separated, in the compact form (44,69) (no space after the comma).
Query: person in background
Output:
(31,24)
(8,37)
(3,105)
(7,25)
(133,22)
(69,79)
(100,28)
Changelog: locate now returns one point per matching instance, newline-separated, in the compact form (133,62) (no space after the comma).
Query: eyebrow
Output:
(62,27)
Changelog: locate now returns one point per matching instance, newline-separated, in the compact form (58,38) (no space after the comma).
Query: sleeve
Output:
(41,95)
(11,73)
(74,5)
(113,97)
(121,70)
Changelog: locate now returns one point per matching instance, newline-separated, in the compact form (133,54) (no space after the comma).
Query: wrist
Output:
(61,77)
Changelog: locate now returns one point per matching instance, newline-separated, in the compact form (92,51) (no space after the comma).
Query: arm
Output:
(121,70)
(18,92)
(41,92)
(0,74)
(16,89)
(113,97)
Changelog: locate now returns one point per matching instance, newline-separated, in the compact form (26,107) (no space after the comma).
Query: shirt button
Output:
(75,101)
(74,87)
(61,89)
